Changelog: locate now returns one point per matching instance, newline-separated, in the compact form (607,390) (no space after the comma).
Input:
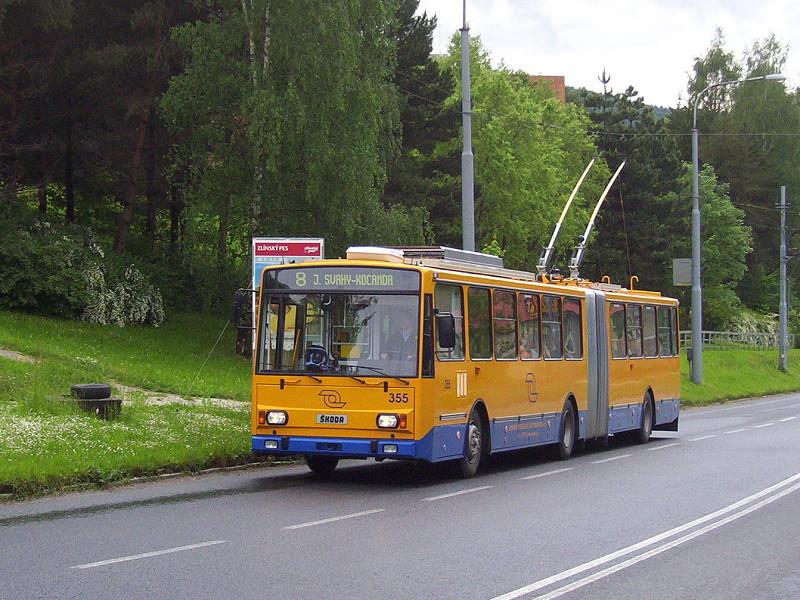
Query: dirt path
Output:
(161,398)
(18,356)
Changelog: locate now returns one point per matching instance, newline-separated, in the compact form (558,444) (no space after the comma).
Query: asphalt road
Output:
(712,511)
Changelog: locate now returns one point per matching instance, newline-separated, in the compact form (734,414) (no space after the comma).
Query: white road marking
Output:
(702,437)
(763,425)
(112,561)
(735,431)
(664,446)
(546,473)
(664,547)
(458,493)
(787,419)
(592,564)
(332,519)
(605,460)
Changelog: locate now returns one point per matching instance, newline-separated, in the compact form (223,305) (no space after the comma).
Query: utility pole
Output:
(783,342)
(467,168)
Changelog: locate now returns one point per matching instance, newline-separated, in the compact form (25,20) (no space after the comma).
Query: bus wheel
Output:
(566,441)
(468,466)
(322,465)
(642,435)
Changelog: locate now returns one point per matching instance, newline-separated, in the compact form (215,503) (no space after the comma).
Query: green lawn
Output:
(167,358)
(730,374)
(46,444)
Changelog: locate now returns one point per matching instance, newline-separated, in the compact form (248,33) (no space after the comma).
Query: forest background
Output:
(142,144)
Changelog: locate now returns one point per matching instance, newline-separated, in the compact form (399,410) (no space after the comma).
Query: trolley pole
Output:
(783,342)
(467,167)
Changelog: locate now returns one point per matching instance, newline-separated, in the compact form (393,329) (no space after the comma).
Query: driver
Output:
(402,344)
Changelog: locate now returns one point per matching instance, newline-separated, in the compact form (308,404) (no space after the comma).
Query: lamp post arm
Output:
(770,77)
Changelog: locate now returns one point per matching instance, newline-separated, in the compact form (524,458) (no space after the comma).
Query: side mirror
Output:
(446,331)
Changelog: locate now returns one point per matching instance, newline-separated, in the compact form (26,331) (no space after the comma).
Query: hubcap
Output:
(474,442)
(567,441)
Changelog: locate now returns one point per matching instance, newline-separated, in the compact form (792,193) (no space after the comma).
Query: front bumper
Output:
(340,447)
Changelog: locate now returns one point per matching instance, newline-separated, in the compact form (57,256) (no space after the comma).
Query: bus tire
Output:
(468,465)
(566,437)
(642,435)
(323,466)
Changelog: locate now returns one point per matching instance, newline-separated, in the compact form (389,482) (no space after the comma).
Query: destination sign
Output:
(351,279)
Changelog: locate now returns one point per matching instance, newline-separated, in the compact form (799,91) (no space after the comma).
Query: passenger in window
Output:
(525,347)
(402,344)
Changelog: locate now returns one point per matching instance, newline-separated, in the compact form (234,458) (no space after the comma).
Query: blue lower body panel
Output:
(667,413)
(628,417)
(441,443)
(525,432)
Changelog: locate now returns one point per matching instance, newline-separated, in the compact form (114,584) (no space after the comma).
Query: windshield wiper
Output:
(382,372)
(358,379)
(317,379)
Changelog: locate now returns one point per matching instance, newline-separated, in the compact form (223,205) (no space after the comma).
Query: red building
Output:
(555,83)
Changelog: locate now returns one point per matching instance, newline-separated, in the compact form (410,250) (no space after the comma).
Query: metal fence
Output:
(733,340)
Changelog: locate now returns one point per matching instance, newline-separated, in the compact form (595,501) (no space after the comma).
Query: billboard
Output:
(267,252)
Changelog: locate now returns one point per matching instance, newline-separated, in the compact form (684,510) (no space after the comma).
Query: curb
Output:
(94,486)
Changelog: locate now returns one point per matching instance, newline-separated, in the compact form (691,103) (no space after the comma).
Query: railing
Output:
(733,340)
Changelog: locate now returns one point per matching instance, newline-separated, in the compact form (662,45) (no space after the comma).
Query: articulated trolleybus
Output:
(436,354)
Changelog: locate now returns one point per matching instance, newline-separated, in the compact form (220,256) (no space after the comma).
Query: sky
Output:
(649,44)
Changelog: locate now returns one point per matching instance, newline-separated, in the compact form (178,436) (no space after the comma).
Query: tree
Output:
(726,242)
(632,233)
(529,151)
(745,140)
(423,175)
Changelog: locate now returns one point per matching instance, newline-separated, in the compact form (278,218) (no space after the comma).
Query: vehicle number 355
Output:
(398,397)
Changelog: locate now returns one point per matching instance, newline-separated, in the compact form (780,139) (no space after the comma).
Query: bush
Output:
(41,265)
(62,271)
(121,299)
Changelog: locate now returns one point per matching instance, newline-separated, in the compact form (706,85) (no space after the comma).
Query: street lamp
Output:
(697,291)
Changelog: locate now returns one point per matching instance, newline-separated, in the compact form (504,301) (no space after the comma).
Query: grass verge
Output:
(47,444)
(731,374)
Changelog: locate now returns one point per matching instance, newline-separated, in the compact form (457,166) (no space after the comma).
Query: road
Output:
(712,511)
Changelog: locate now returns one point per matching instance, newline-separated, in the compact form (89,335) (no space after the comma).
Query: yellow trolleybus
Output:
(436,354)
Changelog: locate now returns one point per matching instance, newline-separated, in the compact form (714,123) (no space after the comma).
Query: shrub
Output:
(62,271)
(40,266)
(121,299)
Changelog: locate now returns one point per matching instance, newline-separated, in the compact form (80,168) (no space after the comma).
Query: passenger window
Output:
(573,338)
(551,326)
(450,299)
(480,323)
(528,313)
(504,312)
(618,347)
(634,329)
(664,331)
(649,331)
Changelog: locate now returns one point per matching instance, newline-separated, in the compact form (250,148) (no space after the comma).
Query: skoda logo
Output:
(332,399)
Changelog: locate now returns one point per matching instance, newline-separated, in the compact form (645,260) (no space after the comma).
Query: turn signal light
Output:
(403,421)
(262,417)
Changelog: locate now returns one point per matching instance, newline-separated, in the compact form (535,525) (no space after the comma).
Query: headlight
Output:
(388,421)
(277,417)
(271,444)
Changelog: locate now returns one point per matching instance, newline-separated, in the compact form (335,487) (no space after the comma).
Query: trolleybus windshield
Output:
(351,321)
